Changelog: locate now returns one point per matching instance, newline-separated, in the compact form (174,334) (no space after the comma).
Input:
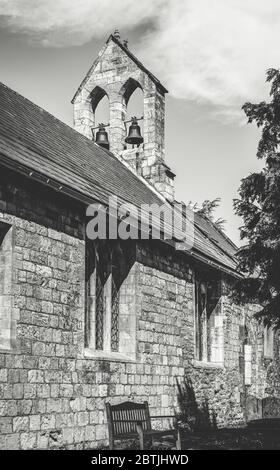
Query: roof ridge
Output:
(137,61)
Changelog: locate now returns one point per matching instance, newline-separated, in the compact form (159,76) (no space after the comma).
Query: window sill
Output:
(11,350)
(208,365)
(108,356)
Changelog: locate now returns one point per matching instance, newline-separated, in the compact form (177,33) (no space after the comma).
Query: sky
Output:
(212,56)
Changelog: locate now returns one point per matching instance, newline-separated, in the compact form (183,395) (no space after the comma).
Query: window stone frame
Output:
(215,324)
(8,319)
(127,314)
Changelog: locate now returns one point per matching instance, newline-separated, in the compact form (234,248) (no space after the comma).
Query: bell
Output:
(102,137)
(134,136)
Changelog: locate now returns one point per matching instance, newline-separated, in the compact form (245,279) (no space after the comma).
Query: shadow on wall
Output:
(192,415)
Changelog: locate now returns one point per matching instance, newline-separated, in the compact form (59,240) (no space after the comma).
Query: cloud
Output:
(214,52)
(65,23)
(217,51)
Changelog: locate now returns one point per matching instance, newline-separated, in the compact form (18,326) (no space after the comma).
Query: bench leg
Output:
(141,436)
(141,442)
(111,443)
(179,442)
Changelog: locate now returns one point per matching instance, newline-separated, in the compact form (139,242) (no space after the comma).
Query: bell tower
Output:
(117,73)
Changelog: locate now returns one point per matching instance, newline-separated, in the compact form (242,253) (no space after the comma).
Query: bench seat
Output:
(129,420)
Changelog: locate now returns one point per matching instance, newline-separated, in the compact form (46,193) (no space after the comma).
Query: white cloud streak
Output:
(214,52)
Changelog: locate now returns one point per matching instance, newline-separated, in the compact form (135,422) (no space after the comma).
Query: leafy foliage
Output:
(259,207)
(208,208)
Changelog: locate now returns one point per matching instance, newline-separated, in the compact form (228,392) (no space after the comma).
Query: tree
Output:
(259,206)
(207,210)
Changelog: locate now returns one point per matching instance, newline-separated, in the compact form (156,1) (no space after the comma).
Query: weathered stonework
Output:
(51,394)
(116,75)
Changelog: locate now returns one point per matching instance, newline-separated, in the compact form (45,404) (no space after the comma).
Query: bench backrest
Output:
(123,418)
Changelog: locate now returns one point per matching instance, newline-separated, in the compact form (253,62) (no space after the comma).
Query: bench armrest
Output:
(128,421)
(163,416)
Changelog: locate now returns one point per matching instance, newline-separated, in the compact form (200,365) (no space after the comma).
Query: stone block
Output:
(3,375)
(35,376)
(6,426)
(43,440)
(54,405)
(20,423)
(68,435)
(35,422)
(28,440)
(47,422)
(17,391)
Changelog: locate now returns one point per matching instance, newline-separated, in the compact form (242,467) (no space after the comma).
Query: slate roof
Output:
(34,142)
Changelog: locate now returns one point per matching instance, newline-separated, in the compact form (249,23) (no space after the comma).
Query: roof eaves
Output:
(60,187)
(51,183)
(215,242)
(87,193)
(220,232)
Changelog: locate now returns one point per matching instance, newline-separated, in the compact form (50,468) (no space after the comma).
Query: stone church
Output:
(82,321)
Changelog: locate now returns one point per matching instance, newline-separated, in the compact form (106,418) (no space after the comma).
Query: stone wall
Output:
(167,297)
(51,395)
(168,292)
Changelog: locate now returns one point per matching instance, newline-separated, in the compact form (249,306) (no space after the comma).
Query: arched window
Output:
(100,106)
(135,107)
(134,101)
(128,89)
(96,96)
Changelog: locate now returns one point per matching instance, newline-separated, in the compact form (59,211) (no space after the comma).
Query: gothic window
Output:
(115,310)
(208,321)
(201,319)
(268,341)
(7,324)
(99,306)
(110,296)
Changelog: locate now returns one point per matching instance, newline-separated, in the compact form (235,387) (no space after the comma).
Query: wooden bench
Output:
(130,420)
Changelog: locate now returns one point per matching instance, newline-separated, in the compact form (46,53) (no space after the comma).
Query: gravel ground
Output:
(230,439)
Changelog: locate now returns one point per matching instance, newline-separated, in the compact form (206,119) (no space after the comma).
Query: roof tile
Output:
(32,137)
